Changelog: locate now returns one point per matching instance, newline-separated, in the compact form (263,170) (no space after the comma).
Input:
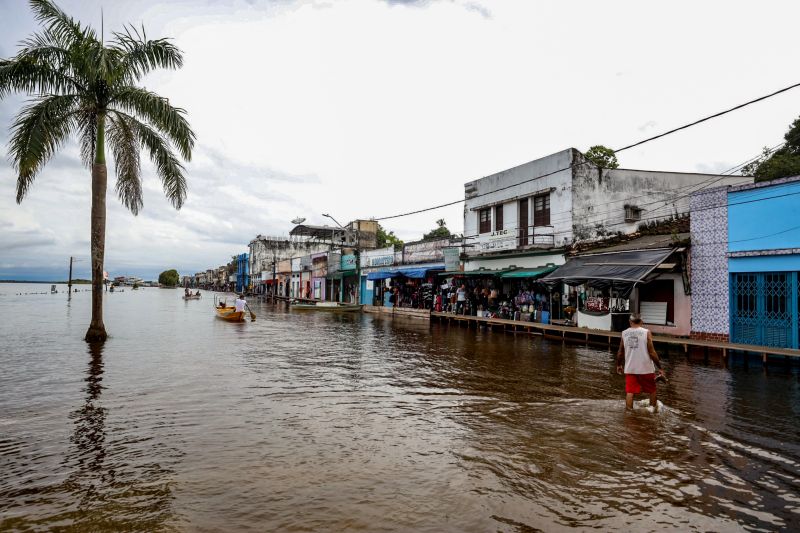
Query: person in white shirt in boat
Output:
(240,303)
(638,359)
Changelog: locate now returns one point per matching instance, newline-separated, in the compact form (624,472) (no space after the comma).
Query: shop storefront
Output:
(512,293)
(405,286)
(349,278)
(600,290)
(374,261)
(319,269)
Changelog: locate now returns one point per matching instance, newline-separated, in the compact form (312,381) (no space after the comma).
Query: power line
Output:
(715,115)
(715,206)
(448,204)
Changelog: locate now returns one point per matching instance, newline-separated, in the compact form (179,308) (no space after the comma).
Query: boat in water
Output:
(229,314)
(335,307)
(192,297)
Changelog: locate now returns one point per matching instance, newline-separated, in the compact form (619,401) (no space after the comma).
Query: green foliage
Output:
(440,231)
(169,278)
(82,87)
(778,163)
(385,238)
(602,156)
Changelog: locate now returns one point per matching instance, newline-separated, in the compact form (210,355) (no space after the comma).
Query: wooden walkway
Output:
(609,338)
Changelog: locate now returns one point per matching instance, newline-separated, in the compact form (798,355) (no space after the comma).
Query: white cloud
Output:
(370,108)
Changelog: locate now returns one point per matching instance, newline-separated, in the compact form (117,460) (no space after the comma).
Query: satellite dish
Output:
(298,220)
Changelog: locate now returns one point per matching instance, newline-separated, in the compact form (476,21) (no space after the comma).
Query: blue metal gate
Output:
(764,308)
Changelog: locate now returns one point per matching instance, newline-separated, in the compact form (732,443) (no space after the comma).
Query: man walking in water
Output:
(638,359)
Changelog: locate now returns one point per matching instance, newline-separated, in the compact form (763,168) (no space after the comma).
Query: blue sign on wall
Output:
(348,262)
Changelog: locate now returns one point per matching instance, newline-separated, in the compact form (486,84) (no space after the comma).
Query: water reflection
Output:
(108,489)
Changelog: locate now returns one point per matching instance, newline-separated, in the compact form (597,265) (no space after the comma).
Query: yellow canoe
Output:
(229,314)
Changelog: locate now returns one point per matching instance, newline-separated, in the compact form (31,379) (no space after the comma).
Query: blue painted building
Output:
(764,263)
(242,272)
(746,263)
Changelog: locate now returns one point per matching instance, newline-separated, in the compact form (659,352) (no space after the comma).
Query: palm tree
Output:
(81,85)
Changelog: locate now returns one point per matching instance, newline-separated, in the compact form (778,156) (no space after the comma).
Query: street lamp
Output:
(330,217)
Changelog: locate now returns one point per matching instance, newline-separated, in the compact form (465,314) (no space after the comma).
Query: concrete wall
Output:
(560,200)
(709,265)
(264,249)
(599,197)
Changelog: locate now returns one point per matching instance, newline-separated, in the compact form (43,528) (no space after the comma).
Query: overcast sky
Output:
(367,108)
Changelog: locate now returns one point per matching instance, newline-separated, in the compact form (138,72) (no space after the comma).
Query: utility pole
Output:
(69,283)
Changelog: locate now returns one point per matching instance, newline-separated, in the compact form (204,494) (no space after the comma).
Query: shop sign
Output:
(376,258)
(504,239)
(380,260)
(452,259)
(348,262)
(420,252)
(265,275)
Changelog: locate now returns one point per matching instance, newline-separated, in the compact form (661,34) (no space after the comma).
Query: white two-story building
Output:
(527,215)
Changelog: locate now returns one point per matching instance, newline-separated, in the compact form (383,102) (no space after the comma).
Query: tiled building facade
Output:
(709,265)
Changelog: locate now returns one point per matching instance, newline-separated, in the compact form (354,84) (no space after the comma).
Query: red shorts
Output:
(636,383)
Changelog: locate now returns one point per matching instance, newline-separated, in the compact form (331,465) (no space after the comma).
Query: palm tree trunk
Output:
(97,330)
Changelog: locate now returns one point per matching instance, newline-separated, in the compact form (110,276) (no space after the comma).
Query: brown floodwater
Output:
(318,422)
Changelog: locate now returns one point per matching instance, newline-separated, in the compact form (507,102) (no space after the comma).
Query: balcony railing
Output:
(512,239)
(536,236)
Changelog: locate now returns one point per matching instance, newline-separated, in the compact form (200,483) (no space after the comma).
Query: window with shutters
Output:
(485,220)
(541,210)
(498,217)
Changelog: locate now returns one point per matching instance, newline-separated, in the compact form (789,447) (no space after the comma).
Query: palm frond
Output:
(126,147)
(87,133)
(168,167)
(37,133)
(140,56)
(157,111)
(37,71)
(59,23)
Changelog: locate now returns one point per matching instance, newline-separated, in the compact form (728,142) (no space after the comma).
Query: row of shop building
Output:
(557,239)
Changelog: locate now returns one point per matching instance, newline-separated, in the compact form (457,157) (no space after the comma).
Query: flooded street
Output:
(321,422)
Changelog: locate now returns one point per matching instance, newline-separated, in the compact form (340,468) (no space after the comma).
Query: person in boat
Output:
(186,291)
(197,293)
(240,303)
(638,360)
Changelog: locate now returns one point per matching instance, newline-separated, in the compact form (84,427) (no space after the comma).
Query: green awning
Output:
(531,273)
(474,273)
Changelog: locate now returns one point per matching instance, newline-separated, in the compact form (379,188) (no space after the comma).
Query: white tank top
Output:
(637,358)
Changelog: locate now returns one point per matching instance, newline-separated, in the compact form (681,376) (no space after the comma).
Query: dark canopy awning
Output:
(620,269)
(409,272)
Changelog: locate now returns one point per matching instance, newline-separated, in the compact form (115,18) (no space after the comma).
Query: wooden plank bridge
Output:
(607,338)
